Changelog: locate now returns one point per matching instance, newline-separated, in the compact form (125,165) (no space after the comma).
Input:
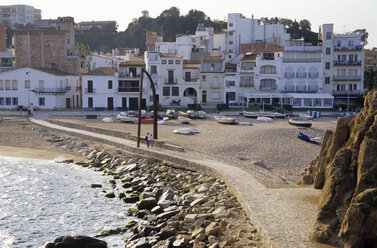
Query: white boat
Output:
(266,114)
(279,115)
(170,113)
(161,122)
(226,120)
(184,114)
(127,119)
(245,123)
(264,119)
(186,131)
(306,116)
(250,114)
(108,119)
(121,114)
(131,113)
(301,122)
(201,114)
(192,114)
(184,120)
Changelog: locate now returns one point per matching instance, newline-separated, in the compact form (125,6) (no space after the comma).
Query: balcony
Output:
(347,62)
(90,90)
(347,77)
(345,92)
(312,89)
(289,75)
(301,74)
(247,69)
(313,74)
(267,72)
(301,88)
(78,87)
(307,60)
(288,88)
(191,79)
(131,75)
(50,90)
(246,84)
(68,88)
(348,48)
(171,80)
(271,87)
(128,89)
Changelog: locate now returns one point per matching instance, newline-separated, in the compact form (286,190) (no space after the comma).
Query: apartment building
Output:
(18,14)
(371,59)
(39,88)
(343,64)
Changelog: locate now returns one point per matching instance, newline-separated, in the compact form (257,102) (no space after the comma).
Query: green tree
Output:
(370,79)
(84,51)
(364,35)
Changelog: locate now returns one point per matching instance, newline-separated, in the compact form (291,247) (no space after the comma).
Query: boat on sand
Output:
(226,120)
(300,122)
(184,120)
(186,131)
(304,137)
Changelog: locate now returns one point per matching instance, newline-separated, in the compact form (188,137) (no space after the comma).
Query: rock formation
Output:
(346,171)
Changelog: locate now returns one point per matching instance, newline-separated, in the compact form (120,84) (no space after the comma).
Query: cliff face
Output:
(346,170)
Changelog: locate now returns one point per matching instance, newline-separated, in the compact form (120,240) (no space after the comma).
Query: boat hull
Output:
(300,123)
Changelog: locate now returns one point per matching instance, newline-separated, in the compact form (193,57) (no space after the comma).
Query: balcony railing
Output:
(191,79)
(267,72)
(49,90)
(307,60)
(289,88)
(289,75)
(313,74)
(300,88)
(247,69)
(171,80)
(90,90)
(124,74)
(301,74)
(68,88)
(345,92)
(246,84)
(272,87)
(312,89)
(347,77)
(347,62)
(128,89)
(348,48)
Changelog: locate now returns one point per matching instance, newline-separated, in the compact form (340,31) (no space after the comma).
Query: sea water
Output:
(41,200)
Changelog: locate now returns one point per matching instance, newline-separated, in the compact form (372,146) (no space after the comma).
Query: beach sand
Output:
(271,152)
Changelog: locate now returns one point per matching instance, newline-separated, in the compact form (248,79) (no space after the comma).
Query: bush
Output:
(287,107)
(353,166)
(269,107)
(221,106)
(194,106)
(99,108)
(338,178)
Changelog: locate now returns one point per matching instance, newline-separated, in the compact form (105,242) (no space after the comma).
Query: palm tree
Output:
(370,79)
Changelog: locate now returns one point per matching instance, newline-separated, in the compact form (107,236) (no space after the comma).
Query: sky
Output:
(346,15)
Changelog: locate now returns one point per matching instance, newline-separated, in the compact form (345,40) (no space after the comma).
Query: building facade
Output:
(19,14)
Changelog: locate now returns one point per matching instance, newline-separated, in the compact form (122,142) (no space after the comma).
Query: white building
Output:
(19,14)
(40,88)
(343,64)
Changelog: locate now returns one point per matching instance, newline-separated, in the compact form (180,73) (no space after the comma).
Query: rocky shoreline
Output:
(176,207)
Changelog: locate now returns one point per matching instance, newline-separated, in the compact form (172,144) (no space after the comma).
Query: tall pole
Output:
(139,114)
(155,136)
(348,97)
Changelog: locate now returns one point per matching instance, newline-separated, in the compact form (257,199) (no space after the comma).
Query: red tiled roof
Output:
(260,48)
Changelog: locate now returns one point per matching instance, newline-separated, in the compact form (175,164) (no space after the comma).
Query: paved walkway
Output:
(286,216)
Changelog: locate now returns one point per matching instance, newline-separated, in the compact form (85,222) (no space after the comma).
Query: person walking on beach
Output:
(151,140)
(147,139)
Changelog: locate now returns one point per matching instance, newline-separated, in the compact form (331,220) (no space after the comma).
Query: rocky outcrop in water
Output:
(77,241)
(346,171)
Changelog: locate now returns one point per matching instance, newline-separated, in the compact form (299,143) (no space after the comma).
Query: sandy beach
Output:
(271,152)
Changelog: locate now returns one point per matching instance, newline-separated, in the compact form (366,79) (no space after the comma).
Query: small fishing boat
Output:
(279,115)
(181,113)
(170,113)
(192,114)
(264,119)
(131,113)
(184,120)
(250,114)
(108,119)
(226,120)
(201,114)
(127,119)
(186,131)
(300,122)
(266,114)
(304,137)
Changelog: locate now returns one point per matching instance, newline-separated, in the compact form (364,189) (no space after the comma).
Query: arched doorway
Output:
(190,92)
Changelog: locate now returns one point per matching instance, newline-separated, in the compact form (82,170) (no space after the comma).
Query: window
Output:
(350,43)
(8,101)
(15,101)
(204,77)
(153,69)
(327,65)
(1,100)
(231,96)
(327,80)
(350,57)
(163,62)
(355,58)
(230,50)
(230,24)
(110,84)
(230,42)
(230,83)
(42,83)
(231,33)
(175,91)
(27,84)
(7,84)
(307,102)
(328,50)
(170,61)
(177,62)
(1,84)
(41,101)
(90,102)
(297,101)
(215,95)
(328,36)
(327,102)
(268,84)
(166,91)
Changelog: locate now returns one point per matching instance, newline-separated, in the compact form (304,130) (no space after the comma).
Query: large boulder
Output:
(346,171)
(77,241)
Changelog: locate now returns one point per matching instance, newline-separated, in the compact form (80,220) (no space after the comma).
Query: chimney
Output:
(2,38)
(320,33)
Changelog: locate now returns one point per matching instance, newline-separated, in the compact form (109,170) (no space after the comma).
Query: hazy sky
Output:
(347,15)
